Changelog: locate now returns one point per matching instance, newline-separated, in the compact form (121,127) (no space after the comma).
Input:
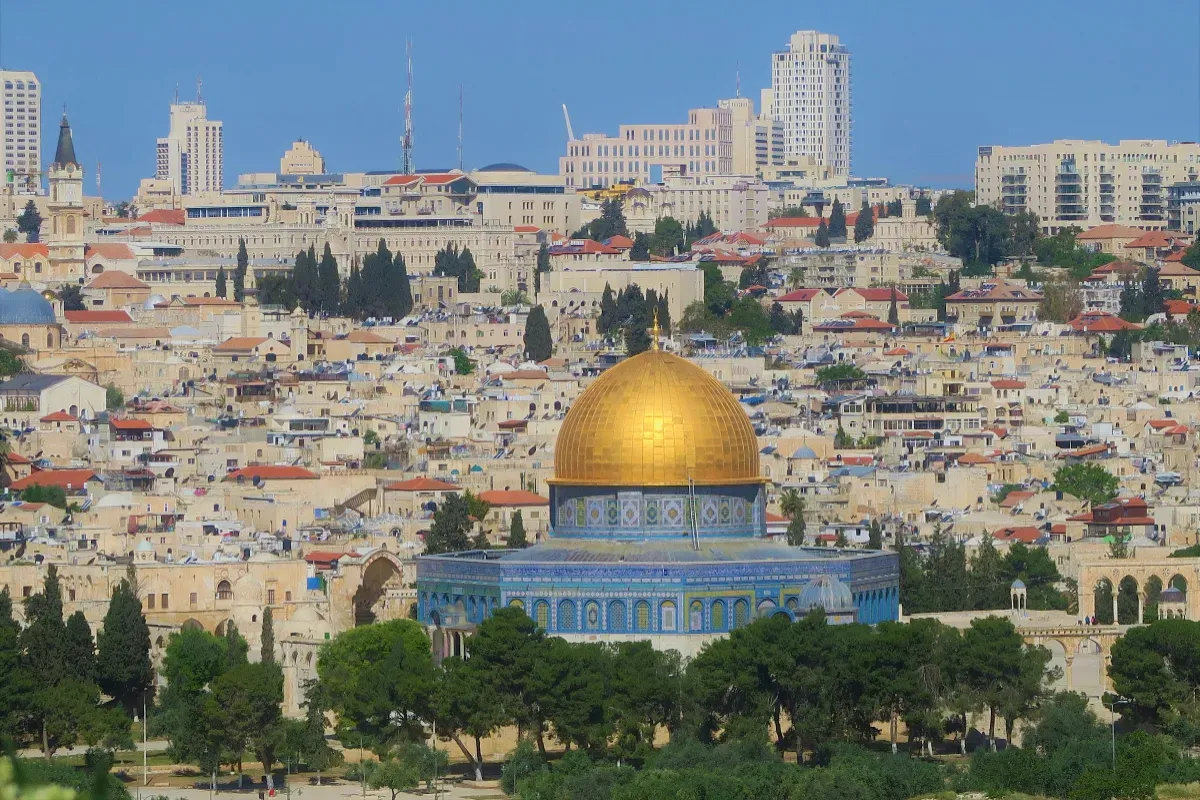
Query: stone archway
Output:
(1140,571)
(380,572)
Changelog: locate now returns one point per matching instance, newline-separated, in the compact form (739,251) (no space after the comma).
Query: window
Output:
(616,616)
(641,616)
(71,595)
(163,602)
(741,613)
(541,614)
(696,616)
(718,615)
(566,616)
(270,597)
(224,591)
(150,601)
(192,599)
(287,597)
(668,616)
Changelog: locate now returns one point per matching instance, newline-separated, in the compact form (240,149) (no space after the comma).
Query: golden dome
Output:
(656,420)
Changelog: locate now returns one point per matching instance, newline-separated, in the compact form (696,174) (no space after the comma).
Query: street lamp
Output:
(1112,708)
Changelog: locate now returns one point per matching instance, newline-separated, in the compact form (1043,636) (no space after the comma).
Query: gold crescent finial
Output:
(654,332)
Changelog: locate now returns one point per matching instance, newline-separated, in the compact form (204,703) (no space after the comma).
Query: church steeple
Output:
(65,153)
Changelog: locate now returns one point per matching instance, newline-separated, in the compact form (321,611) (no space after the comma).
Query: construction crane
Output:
(567,117)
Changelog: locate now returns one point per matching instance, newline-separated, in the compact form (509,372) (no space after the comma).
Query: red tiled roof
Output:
(875,294)
(239,344)
(513,497)
(1025,534)
(97,316)
(16,458)
(23,250)
(1090,450)
(1014,499)
(990,291)
(1008,383)
(619,241)
(974,458)
(272,473)
(1109,232)
(116,279)
(130,424)
(526,229)
(1177,308)
(1176,269)
(513,424)
(798,296)
(66,478)
(583,247)
(112,250)
(58,416)
(422,484)
(1101,322)
(166,216)
(898,351)
(1154,239)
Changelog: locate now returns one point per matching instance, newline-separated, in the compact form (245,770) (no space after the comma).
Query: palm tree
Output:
(796,277)
(791,503)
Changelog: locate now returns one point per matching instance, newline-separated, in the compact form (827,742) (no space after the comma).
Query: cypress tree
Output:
(837,221)
(239,275)
(864,224)
(266,651)
(222,288)
(16,683)
(45,632)
(468,273)
(539,345)
(664,313)
(822,237)
(543,265)
(329,284)
(608,311)
(353,304)
(399,289)
(123,649)
(236,646)
(516,532)
(79,651)
(893,310)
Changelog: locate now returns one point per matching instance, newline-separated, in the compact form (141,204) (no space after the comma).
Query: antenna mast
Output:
(98,192)
(738,73)
(460,157)
(199,96)
(407,166)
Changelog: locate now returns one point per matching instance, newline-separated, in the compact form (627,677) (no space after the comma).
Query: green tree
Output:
(396,775)
(113,399)
(304,280)
(17,683)
(782,322)
(864,224)
(309,738)
(516,532)
(543,266)
(354,304)
(123,649)
(266,649)
(379,680)
(248,698)
(1089,482)
(842,371)
(451,527)
(635,319)
(608,311)
(821,239)
(463,365)
(539,344)
(893,317)
(510,644)
(668,237)
(79,650)
(641,247)
(222,289)
(10,364)
(29,222)
(329,284)
(1191,256)
(71,295)
(793,506)
(1062,417)
(837,221)
(464,705)
(573,680)
(236,646)
(10,236)
(875,535)
(239,274)
(1152,292)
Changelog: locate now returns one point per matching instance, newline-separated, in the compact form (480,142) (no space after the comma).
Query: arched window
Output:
(566,616)
(696,616)
(616,617)
(741,613)
(541,614)
(25,340)
(641,616)
(667,614)
(70,224)
(517,603)
(591,616)
(49,340)
(718,615)
(224,591)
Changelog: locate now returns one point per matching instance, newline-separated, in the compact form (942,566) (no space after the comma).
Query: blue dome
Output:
(25,306)
(1018,584)
(826,592)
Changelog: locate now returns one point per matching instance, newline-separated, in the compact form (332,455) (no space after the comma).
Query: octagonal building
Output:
(657,529)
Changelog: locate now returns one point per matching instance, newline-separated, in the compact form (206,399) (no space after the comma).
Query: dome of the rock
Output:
(656,420)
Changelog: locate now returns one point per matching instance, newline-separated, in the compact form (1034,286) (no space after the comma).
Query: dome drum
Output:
(657,512)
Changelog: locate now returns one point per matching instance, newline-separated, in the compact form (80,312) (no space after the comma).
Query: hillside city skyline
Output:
(927,141)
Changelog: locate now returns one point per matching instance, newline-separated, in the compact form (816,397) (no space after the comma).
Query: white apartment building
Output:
(20,138)
(757,140)
(810,95)
(1086,183)
(734,202)
(700,147)
(191,156)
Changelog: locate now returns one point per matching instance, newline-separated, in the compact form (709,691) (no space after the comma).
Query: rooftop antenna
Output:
(176,93)
(98,166)
(407,165)
(567,117)
(737,71)
(460,157)
(199,96)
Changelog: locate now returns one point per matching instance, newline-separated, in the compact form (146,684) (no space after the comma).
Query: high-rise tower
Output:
(191,155)
(810,95)
(68,220)
(20,135)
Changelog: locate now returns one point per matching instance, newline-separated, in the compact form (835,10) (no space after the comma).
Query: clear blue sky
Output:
(932,79)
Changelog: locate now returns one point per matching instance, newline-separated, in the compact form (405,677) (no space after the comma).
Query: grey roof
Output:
(504,166)
(827,592)
(677,550)
(65,153)
(28,382)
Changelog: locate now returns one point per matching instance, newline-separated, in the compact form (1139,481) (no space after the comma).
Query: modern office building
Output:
(190,156)
(699,147)
(810,96)
(757,139)
(21,135)
(1086,183)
